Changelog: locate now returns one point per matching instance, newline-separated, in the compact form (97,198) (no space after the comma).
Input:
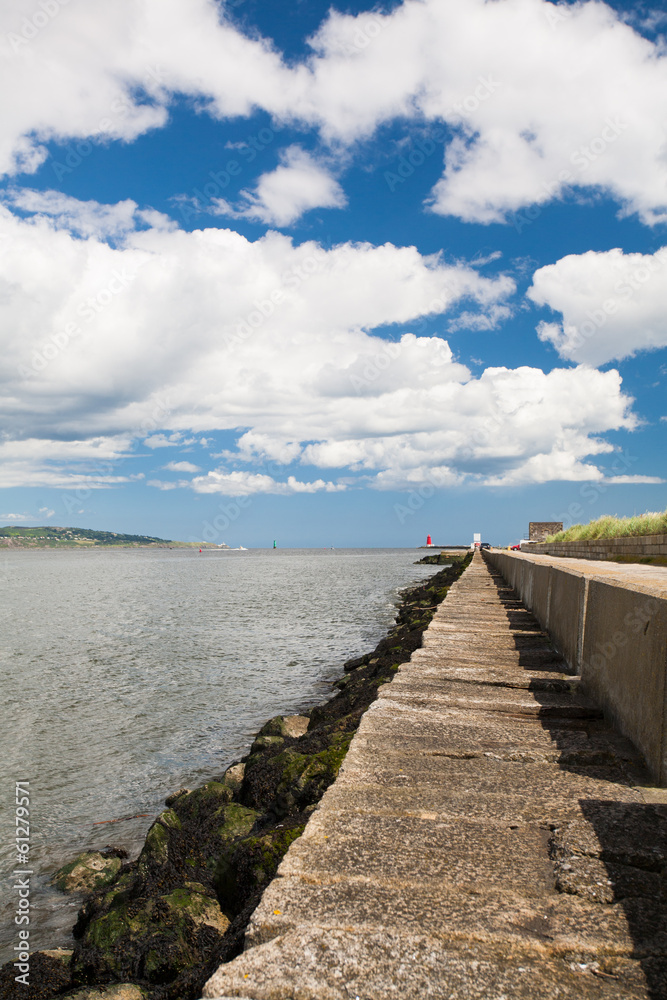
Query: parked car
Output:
(515,548)
(485,545)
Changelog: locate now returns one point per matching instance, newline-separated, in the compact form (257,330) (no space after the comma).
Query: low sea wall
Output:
(609,622)
(631,547)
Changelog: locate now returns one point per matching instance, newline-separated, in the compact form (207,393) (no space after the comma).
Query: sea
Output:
(126,674)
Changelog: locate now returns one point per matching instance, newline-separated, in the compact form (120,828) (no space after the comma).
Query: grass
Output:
(650,523)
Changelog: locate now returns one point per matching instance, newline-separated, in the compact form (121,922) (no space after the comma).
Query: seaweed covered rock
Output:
(161,916)
(89,871)
(172,916)
(49,977)
(150,938)
(244,871)
(119,991)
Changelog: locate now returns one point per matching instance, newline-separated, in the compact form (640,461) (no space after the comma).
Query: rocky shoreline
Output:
(156,928)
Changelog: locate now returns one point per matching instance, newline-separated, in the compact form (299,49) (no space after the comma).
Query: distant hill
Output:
(52,537)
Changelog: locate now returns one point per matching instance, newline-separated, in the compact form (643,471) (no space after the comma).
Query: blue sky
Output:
(336,275)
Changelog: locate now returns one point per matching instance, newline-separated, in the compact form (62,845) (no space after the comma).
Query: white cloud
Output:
(542,96)
(613,304)
(243,483)
(173,334)
(86,463)
(282,196)
(86,218)
(47,512)
(16,517)
(162,441)
(633,480)
(181,467)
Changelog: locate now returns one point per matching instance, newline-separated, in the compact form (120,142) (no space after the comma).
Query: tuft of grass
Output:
(607,526)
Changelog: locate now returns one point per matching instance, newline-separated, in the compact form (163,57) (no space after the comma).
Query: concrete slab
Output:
(488,836)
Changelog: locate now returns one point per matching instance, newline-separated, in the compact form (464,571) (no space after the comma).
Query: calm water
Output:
(126,674)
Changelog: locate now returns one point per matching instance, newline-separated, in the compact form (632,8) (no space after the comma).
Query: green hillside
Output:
(52,537)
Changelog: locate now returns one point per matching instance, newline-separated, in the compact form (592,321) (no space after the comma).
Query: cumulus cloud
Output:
(505,78)
(169,334)
(86,218)
(540,97)
(613,304)
(243,483)
(282,196)
(84,463)
(633,480)
(181,467)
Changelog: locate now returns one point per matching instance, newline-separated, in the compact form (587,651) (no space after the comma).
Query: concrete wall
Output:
(632,547)
(610,624)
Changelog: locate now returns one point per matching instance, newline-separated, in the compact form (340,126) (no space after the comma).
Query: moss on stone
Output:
(156,940)
(204,801)
(238,821)
(192,900)
(89,871)
(115,991)
(156,845)
(246,868)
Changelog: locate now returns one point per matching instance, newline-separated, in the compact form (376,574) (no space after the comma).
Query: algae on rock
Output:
(89,871)
(161,924)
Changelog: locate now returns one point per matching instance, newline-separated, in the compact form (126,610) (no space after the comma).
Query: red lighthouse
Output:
(428,540)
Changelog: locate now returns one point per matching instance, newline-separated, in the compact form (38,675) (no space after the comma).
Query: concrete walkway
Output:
(488,837)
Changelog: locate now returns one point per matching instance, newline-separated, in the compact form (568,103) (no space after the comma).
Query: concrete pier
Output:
(489,836)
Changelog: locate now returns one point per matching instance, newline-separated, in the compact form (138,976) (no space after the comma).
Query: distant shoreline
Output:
(56,537)
(52,543)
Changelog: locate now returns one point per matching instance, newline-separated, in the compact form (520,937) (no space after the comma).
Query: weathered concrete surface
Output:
(610,623)
(489,836)
(629,547)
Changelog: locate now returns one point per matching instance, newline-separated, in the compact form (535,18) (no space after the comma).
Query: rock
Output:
(89,871)
(156,845)
(248,867)
(233,777)
(287,783)
(115,991)
(154,939)
(169,801)
(358,661)
(161,919)
(62,954)
(49,977)
(284,726)
(204,911)
(263,742)
(295,725)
